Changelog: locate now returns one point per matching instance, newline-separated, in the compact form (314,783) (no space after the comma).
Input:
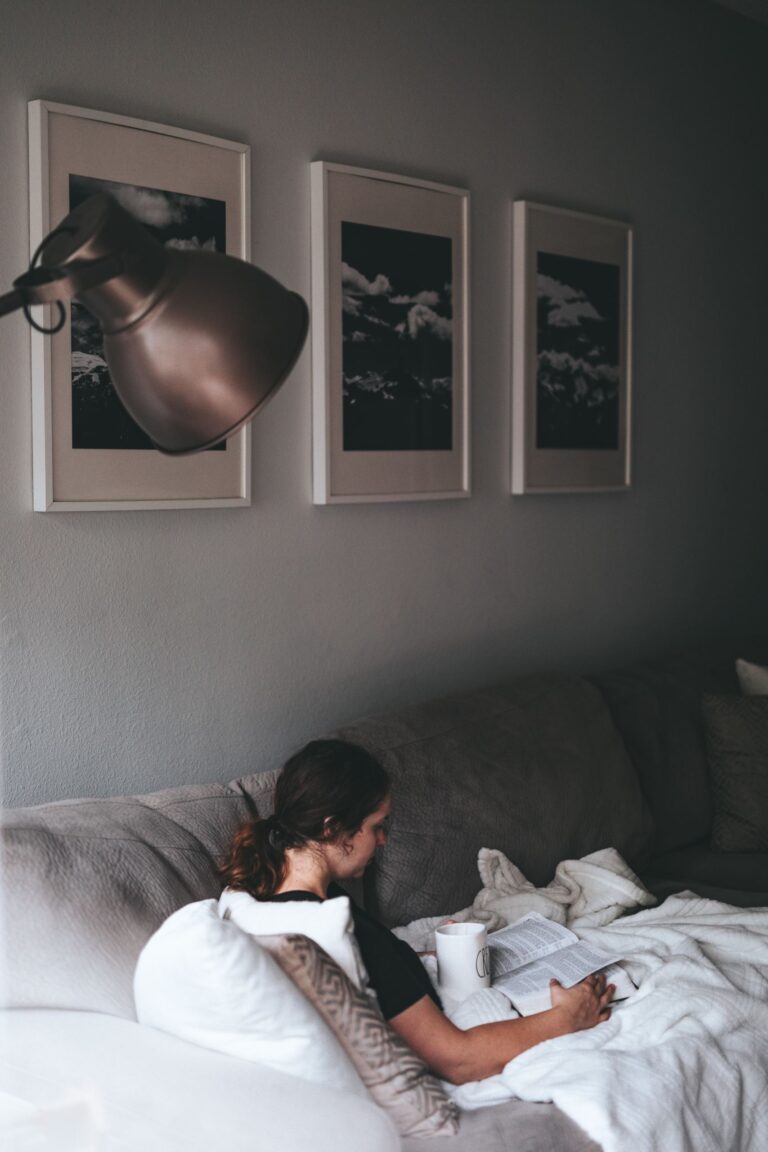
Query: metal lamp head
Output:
(196,342)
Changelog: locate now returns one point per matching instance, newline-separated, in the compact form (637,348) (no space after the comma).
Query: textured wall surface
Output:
(141,650)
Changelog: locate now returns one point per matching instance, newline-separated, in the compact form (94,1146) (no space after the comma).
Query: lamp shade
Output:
(195,341)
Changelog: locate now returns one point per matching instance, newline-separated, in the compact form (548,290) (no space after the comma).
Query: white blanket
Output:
(584,893)
(680,1067)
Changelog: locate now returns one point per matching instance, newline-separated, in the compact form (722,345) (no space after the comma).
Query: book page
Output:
(530,938)
(529,1003)
(567,965)
(534,1002)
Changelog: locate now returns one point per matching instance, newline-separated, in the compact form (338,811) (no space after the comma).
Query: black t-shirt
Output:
(396,974)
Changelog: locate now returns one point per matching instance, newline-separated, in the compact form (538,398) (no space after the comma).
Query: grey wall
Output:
(141,650)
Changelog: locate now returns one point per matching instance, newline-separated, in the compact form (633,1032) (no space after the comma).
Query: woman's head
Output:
(332,797)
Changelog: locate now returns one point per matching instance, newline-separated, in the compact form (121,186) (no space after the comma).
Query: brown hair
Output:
(325,790)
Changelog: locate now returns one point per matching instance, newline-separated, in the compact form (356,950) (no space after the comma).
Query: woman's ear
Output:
(331,828)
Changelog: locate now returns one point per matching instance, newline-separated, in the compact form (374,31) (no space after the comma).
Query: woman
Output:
(331,811)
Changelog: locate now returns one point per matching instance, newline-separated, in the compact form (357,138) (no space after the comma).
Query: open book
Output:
(526,955)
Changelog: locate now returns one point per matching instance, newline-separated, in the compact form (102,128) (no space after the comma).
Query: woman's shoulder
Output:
(296,894)
(335,890)
(236,896)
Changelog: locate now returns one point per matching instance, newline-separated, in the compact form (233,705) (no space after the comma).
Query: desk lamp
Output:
(196,342)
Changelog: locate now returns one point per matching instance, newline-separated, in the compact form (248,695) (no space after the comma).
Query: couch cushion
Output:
(150,1092)
(737,751)
(513,1125)
(202,978)
(753,678)
(87,882)
(328,922)
(397,1079)
(656,707)
(536,769)
(258,791)
(733,877)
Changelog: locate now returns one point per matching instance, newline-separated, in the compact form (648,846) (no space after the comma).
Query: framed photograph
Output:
(390,346)
(189,190)
(572,353)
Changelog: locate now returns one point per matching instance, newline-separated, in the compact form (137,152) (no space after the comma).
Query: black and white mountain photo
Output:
(578,337)
(397,329)
(99,419)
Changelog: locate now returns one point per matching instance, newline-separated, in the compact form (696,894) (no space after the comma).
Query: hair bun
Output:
(280,836)
(276,832)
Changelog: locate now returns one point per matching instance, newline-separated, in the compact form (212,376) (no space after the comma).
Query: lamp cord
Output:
(59,324)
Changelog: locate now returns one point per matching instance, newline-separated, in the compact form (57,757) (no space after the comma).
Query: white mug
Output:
(463,959)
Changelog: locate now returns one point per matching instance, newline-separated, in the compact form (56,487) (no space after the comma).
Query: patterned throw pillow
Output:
(397,1079)
(737,752)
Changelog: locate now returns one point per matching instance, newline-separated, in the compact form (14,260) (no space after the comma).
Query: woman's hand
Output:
(584,1005)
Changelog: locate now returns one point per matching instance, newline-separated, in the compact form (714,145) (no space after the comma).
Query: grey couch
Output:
(657,709)
(542,769)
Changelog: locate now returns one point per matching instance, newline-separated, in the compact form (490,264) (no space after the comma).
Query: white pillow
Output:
(329,924)
(753,678)
(206,981)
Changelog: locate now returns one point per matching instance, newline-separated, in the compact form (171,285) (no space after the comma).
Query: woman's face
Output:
(351,854)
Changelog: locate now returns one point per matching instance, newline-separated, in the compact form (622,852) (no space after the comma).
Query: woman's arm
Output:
(460,1057)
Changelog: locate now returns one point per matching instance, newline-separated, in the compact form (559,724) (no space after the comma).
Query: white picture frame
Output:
(572,351)
(88,455)
(390,275)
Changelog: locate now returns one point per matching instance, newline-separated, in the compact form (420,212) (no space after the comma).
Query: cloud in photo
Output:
(354,286)
(86,364)
(151,206)
(192,244)
(568,306)
(579,369)
(421,317)
(371,381)
(355,282)
(429,298)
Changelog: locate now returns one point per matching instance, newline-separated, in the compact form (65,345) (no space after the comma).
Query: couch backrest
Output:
(540,769)
(536,769)
(85,883)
